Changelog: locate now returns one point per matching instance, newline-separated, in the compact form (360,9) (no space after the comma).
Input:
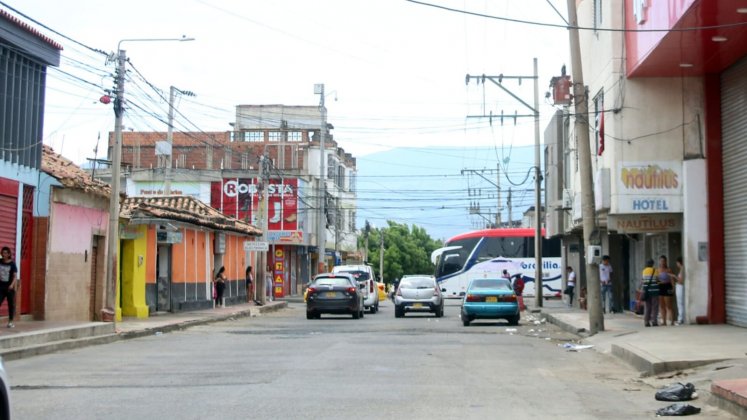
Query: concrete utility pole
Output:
(381,255)
(112,237)
(593,288)
(262,209)
(498,184)
(538,287)
(322,228)
(170,137)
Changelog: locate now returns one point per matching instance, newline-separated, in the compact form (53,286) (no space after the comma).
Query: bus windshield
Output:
(454,260)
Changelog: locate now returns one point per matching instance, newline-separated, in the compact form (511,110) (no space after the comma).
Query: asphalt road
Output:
(283,366)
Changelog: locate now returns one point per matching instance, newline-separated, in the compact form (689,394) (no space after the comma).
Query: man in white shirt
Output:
(570,284)
(605,278)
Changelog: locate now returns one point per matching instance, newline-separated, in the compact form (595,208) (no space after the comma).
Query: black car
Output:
(334,293)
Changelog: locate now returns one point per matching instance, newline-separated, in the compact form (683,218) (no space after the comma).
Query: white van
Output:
(363,273)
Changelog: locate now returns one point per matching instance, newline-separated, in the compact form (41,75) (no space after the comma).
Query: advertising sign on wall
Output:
(240,198)
(649,187)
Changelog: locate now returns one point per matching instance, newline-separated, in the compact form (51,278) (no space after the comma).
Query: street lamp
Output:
(109,311)
(322,227)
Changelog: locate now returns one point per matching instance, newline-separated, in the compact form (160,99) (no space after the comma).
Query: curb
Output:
(564,325)
(76,343)
(648,364)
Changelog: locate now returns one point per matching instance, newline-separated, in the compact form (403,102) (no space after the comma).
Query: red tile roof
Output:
(70,175)
(185,209)
(28,28)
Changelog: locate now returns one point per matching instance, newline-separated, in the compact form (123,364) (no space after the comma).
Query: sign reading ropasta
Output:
(240,198)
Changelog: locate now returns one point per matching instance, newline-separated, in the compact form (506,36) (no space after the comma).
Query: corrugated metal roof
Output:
(70,175)
(28,28)
(185,209)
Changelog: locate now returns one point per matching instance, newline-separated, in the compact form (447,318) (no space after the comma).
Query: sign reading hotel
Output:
(649,187)
(240,198)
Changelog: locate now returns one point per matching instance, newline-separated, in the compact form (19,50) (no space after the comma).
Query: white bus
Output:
(486,253)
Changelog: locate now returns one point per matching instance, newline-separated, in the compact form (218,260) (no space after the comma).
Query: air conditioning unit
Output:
(567,199)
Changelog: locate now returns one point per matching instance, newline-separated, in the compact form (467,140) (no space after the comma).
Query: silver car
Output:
(418,294)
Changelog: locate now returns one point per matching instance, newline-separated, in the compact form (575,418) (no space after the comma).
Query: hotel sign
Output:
(649,187)
(645,223)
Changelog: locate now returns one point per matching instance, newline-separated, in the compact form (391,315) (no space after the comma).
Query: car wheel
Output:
(439,312)
(465,320)
(514,320)
(310,315)
(398,312)
(357,315)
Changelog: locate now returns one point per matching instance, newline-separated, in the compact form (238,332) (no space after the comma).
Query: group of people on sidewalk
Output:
(659,287)
(219,286)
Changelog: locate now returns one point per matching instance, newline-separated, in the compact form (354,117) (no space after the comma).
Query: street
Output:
(282,366)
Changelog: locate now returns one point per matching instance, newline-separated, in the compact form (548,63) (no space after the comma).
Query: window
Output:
(295,136)
(597,14)
(599,122)
(254,136)
(245,161)
(340,179)
(276,136)
(227,157)
(353,178)
(331,163)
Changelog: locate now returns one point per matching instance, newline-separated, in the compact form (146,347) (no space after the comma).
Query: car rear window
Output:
(332,281)
(499,284)
(417,283)
(358,275)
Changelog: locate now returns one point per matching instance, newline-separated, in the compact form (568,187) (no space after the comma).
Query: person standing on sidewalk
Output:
(8,283)
(249,284)
(518,286)
(605,278)
(220,286)
(650,286)
(680,292)
(570,284)
(666,291)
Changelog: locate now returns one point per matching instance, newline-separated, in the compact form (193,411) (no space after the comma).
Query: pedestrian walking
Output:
(605,278)
(570,285)
(249,284)
(666,290)
(268,285)
(650,287)
(220,286)
(680,291)
(518,286)
(8,283)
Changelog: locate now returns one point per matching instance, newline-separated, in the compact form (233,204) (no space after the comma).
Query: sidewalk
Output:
(31,338)
(672,349)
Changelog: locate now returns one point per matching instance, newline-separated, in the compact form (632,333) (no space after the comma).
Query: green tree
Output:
(407,250)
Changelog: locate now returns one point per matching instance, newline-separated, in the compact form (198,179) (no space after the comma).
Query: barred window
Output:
(276,136)
(295,136)
(254,136)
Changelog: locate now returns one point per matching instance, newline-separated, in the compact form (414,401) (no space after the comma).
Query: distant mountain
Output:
(428,188)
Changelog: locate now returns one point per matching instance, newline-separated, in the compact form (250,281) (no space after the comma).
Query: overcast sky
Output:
(396,69)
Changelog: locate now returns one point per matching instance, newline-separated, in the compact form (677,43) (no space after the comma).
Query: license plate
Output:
(417,305)
(330,294)
(491,299)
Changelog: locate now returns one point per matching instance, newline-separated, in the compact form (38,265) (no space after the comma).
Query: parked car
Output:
(418,294)
(490,299)
(4,393)
(363,274)
(334,293)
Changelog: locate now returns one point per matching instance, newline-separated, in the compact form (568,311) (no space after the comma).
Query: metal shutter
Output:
(734,132)
(8,219)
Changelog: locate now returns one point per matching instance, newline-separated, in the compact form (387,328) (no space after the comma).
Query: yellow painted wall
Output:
(133,260)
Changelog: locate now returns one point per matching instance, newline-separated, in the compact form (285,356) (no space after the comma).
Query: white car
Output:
(363,274)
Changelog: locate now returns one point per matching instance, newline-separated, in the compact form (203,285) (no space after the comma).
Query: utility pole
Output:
(498,81)
(322,228)
(170,137)
(538,287)
(593,295)
(112,237)
(366,230)
(262,210)
(498,184)
(381,255)
(510,207)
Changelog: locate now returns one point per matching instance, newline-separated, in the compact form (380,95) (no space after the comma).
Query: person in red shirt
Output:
(519,290)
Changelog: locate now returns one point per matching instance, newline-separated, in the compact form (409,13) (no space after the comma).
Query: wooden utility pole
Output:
(593,287)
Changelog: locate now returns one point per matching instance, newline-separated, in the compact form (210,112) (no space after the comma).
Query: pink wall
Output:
(71,227)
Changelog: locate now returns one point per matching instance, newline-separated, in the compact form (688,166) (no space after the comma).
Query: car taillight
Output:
(511,298)
(312,290)
(351,290)
(370,287)
(436,291)
(399,292)
(474,298)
